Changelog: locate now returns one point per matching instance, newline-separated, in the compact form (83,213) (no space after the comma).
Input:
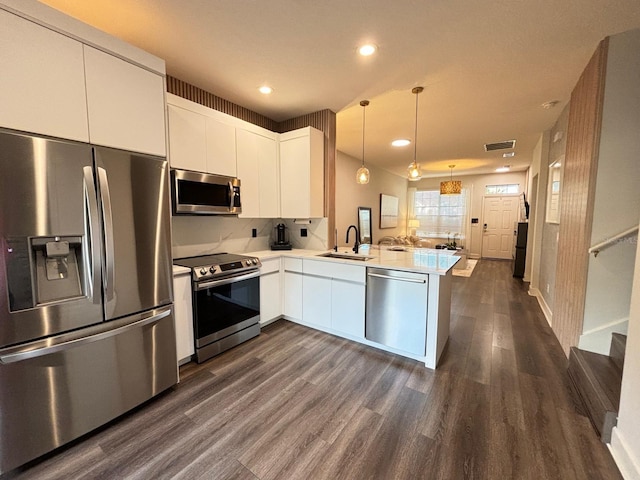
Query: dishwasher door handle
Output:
(400,279)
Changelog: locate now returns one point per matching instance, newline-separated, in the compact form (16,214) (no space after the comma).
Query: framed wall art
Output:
(388,211)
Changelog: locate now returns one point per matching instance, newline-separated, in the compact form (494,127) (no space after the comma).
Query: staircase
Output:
(598,380)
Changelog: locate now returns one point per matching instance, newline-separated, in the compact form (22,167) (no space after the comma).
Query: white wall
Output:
(350,195)
(476,184)
(617,196)
(625,441)
(538,174)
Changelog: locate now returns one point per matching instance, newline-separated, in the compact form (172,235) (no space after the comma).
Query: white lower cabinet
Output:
(270,290)
(292,298)
(347,307)
(333,297)
(183,315)
(316,301)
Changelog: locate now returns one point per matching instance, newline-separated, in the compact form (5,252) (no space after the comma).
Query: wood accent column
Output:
(577,201)
(325,121)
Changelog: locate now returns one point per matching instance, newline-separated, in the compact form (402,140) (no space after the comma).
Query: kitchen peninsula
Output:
(398,301)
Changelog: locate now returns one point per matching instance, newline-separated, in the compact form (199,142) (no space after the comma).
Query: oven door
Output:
(225,306)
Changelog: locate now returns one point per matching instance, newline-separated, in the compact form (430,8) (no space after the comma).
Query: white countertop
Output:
(419,260)
(179,270)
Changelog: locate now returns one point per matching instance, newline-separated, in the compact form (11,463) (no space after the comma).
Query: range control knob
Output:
(203,271)
(255,261)
(212,269)
(248,262)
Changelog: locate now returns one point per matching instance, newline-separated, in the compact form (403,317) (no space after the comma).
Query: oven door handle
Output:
(225,281)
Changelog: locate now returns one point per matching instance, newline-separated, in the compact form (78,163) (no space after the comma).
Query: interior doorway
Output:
(500,213)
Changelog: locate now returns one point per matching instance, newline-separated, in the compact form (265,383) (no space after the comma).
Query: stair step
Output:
(598,380)
(618,346)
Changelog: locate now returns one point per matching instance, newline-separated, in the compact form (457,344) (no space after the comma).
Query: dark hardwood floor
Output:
(295,403)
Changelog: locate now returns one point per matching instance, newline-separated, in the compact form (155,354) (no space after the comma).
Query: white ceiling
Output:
(487,66)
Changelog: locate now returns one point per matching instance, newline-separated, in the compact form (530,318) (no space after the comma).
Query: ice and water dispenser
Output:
(44,270)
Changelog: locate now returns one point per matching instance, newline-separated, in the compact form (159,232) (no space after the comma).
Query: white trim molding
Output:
(629,466)
(548,314)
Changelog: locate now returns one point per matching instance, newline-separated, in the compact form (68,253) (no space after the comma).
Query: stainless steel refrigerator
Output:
(86,315)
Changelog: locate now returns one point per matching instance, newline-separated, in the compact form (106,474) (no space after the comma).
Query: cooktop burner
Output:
(218,264)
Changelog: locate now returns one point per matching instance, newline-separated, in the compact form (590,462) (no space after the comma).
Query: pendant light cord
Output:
(363,104)
(364,107)
(415,133)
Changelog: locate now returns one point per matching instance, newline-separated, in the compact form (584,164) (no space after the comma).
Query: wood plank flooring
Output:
(295,403)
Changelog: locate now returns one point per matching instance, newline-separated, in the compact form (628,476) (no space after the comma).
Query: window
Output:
(502,189)
(440,216)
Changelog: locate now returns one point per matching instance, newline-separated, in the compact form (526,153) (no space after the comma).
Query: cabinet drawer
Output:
(293,264)
(352,273)
(270,266)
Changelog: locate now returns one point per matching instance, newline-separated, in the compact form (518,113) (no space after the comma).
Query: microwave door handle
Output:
(107,220)
(232,196)
(93,255)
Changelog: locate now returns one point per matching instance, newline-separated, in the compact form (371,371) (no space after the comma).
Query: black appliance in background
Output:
(282,238)
(520,254)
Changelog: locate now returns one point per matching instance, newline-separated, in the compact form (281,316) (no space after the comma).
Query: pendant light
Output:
(362,175)
(451,186)
(414,173)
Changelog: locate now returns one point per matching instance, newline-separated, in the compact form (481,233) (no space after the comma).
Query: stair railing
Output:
(598,247)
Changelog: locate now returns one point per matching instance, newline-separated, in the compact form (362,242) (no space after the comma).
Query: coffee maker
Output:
(282,238)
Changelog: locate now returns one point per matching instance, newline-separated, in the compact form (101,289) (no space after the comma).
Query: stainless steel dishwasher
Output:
(396,314)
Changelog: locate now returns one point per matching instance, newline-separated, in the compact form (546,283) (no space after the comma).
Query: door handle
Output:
(107,220)
(66,341)
(93,258)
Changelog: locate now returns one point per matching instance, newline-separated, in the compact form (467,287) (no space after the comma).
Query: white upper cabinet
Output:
(200,138)
(247,161)
(269,178)
(42,86)
(221,147)
(257,160)
(302,173)
(125,104)
(187,139)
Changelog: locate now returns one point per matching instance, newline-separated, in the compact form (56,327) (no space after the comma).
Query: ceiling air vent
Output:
(489,147)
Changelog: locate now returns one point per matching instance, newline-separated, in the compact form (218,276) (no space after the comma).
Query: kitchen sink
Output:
(346,256)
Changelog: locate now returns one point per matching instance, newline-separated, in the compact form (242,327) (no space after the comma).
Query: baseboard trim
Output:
(548,314)
(621,454)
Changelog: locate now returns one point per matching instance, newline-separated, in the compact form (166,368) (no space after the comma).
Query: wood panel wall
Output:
(577,202)
(324,120)
(198,95)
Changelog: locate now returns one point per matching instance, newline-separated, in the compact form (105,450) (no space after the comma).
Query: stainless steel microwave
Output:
(196,193)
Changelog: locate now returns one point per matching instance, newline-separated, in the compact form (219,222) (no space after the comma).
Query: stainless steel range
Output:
(226,301)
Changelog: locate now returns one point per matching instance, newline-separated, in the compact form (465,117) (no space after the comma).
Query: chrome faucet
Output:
(357,244)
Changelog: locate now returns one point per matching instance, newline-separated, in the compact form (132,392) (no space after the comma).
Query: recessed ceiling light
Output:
(401,142)
(368,49)
(508,155)
(265,89)
(503,169)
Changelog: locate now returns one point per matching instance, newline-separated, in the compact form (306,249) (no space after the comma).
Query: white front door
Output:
(500,215)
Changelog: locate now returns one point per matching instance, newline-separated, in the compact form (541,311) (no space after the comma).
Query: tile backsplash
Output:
(202,235)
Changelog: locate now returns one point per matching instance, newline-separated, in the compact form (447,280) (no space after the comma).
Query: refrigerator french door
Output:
(86,319)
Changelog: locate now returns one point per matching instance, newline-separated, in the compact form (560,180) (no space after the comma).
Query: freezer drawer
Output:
(80,381)
(396,311)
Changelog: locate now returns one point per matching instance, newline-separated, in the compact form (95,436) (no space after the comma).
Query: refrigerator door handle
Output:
(107,220)
(67,341)
(94,239)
